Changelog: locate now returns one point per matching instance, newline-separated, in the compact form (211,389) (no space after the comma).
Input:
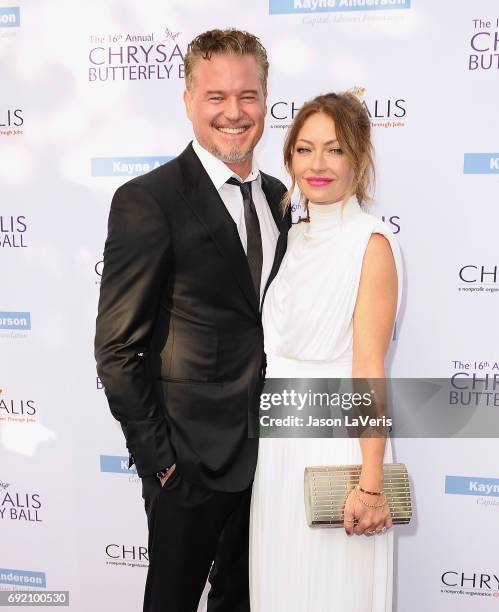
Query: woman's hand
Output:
(370,521)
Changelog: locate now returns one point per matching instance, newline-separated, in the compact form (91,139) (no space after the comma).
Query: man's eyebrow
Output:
(211,92)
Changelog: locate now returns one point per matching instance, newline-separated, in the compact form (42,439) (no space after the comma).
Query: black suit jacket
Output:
(179,339)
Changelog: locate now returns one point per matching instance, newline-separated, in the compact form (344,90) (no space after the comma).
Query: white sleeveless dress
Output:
(307,319)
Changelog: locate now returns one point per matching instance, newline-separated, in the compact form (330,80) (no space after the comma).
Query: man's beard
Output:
(234,156)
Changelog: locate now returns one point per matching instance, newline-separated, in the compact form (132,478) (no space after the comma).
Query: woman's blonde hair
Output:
(353,131)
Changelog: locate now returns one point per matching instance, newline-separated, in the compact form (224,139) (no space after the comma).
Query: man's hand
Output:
(168,474)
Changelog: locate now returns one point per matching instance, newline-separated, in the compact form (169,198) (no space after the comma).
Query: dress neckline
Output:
(333,214)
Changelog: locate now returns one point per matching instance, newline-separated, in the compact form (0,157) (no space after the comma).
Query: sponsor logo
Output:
(17,410)
(475,366)
(15,320)
(470,485)
(484,45)
(478,274)
(382,111)
(116,464)
(15,324)
(283,7)
(481,163)
(10,17)
(135,57)
(13,232)
(11,121)
(474,383)
(126,555)
(22,578)
(283,110)
(126,166)
(470,584)
(16,506)
(478,279)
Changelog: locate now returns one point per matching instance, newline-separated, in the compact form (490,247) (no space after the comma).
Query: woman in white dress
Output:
(329,313)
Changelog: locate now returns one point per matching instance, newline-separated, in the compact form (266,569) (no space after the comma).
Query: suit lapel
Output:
(274,197)
(283,223)
(208,206)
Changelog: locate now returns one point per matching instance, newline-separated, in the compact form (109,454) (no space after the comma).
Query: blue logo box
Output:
(469,485)
(10,16)
(116,465)
(22,578)
(481,163)
(15,320)
(286,7)
(126,166)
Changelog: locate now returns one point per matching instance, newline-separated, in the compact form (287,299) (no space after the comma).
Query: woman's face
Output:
(323,172)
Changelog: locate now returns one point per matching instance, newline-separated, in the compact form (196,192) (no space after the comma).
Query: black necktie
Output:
(254,251)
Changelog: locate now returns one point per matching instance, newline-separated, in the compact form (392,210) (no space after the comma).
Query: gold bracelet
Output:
(368,504)
(359,488)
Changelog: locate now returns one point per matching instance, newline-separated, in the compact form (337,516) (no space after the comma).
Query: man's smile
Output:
(232,130)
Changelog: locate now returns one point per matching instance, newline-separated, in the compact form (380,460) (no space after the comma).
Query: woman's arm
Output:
(373,321)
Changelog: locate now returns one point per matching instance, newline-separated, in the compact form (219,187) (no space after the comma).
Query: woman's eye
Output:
(336,151)
(215,98)
(302,150)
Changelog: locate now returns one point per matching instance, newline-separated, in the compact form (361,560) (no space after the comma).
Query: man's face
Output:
(227,107)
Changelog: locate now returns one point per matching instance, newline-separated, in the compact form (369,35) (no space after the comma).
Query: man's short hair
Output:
(225,42)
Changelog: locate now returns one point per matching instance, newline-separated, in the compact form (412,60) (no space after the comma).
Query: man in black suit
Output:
(191,249)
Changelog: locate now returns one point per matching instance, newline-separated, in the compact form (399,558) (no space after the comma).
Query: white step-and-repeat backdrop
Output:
(90,96)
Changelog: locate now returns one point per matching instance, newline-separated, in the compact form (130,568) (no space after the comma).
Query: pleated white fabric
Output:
(307,319)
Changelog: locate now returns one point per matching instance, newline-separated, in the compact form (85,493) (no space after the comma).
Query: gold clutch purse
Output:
(327,487)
